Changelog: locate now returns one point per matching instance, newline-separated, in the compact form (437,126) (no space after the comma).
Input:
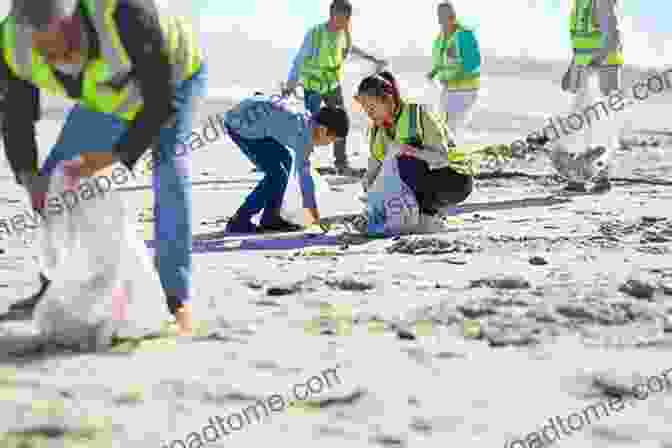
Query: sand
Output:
(524,314)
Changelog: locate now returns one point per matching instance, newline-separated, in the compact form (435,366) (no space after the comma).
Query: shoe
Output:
(278,224)
(30,302)
(240,225)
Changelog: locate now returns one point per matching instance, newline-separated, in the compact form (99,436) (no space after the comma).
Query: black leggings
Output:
(434,188)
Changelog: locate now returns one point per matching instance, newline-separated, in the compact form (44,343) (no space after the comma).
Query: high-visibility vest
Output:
(449,65)
(409,131)
(106,86)
(323,72)
(586,35)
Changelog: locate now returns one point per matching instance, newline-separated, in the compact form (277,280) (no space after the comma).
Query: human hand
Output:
(408,151)
(71,171)
(37,187)
(91,162)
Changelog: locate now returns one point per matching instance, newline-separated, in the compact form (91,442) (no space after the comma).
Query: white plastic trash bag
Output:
(292,204)
(590,123)
(102,279)
(391,204)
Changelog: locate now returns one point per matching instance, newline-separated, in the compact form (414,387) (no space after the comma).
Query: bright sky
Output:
(537,28)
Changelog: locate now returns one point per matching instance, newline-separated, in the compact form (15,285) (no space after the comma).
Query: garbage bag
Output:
(585,138)
(292,204)
(392,208)
(103,282)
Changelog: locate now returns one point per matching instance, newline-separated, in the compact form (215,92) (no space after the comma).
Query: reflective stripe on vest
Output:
(111,67)
(586,35)
(323,72)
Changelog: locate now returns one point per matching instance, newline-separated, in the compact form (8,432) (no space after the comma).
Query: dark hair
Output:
(381,85)
(335,119)
(40,14)
(341,7)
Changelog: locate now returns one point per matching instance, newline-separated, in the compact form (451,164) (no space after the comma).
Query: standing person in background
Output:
(319,66)
(456,64)
(598,53)
(136,74)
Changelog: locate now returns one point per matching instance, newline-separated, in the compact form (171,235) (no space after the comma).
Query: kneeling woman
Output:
(265,130)
(438,173)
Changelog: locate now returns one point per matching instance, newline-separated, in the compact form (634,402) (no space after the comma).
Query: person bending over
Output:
(265,130)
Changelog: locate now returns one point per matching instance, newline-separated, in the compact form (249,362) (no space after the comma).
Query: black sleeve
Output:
(141,36)
(20,109)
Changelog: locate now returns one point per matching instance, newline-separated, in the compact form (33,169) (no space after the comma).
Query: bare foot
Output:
(185,321)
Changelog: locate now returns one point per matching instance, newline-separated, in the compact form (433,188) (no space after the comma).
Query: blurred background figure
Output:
(456,64)
(319,67)
(596,69)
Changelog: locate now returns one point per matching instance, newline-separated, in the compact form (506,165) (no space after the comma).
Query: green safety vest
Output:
(110,66)
(448,63)
(409,130)
(323,72)
(586,35)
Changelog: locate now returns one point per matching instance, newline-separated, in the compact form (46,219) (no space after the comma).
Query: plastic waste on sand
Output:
(103,282)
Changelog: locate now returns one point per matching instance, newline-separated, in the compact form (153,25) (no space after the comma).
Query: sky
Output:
(532,28)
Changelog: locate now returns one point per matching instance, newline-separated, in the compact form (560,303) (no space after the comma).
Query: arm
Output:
(306,181)
(305,51)
(142,37)
(355,50)
(18,127)
(471,54)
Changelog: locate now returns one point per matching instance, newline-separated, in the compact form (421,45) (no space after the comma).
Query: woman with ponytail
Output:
(429,163)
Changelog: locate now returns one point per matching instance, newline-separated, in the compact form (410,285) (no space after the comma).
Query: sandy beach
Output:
(472,338)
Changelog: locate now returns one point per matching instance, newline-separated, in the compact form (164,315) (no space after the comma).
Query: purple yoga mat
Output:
(229,245)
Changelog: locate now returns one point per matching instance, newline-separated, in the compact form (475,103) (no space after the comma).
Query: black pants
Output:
(434,188)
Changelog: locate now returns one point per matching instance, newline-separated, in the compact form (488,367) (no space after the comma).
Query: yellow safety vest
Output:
(110,66)
(586,35)
(323,72)
(409,130)
(448,63)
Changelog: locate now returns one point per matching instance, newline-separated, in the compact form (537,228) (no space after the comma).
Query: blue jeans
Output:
(313,102)
(88,131)
(275,160)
